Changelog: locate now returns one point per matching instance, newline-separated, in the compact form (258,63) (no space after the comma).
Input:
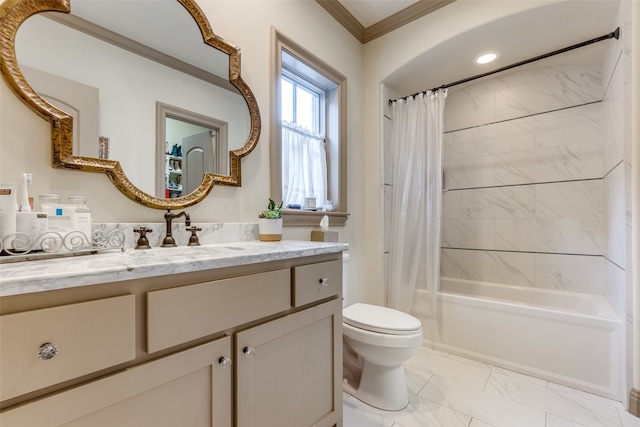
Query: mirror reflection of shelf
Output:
(173,176)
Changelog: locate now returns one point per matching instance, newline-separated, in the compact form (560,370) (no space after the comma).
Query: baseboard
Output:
(634,402)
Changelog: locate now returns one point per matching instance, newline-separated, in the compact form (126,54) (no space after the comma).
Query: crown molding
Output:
(344,17)
(403,17)
(395,21)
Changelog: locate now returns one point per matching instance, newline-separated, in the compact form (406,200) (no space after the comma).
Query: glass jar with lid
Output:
(81,216)
(48,199)
(48,203)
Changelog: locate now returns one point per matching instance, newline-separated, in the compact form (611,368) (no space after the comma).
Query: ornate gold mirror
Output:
(136,70)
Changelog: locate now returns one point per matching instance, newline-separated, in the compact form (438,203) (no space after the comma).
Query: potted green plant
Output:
(270,223)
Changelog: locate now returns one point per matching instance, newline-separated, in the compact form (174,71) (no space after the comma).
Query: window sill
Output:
(300,218)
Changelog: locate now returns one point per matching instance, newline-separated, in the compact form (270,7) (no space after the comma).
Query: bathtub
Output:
(569,338)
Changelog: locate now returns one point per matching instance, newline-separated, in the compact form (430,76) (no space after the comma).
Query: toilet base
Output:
(383,387)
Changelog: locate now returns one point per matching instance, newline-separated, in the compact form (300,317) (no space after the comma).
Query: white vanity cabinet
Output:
(257,345)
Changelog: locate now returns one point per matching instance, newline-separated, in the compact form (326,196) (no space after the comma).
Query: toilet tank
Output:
(346,301)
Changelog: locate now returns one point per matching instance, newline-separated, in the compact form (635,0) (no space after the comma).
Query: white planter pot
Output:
(270,230)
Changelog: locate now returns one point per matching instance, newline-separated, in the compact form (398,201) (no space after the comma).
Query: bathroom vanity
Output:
(241,334)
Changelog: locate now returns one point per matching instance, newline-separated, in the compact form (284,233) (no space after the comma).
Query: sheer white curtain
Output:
(304,166)
(416,210)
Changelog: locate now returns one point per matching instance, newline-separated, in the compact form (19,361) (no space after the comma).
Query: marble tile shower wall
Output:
(524,159)
(387,173)
(616,179)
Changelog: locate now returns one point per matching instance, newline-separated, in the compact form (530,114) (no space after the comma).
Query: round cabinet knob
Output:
(47,351)
(249,351)
(225,362)
(324,281)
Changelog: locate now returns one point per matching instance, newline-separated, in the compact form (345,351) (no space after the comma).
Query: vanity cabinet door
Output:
(289,371)
(191,388)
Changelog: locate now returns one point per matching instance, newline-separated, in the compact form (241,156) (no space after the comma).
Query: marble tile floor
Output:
(451,391)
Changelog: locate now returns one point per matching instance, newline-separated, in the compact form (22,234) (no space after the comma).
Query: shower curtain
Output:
(416,209)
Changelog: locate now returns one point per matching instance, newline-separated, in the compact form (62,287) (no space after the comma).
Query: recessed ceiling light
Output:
(486,57)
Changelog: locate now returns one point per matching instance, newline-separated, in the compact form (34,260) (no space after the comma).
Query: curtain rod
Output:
(615,34)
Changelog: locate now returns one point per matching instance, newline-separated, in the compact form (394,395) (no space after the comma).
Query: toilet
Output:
(376,343)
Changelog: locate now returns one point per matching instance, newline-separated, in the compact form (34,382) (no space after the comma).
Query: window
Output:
(302,143)
(302,103)
(308,155)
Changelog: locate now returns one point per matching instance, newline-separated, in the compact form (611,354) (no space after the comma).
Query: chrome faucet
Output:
(169,241)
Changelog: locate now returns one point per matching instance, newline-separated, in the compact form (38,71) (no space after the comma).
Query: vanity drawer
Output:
(314,282)
(178,315)
(89,336)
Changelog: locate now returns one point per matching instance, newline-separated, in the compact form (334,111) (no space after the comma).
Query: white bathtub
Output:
(566,337)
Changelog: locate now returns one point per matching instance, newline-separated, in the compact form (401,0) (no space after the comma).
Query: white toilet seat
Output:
(383,340)
(380,320)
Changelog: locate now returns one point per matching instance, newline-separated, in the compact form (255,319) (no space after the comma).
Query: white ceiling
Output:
(518,37)
(369,12)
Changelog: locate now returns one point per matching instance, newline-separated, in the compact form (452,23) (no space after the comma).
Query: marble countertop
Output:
(51,274)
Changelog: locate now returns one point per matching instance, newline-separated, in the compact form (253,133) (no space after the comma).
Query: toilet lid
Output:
(380,319)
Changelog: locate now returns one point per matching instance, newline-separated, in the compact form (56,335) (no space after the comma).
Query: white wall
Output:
(627,93)
(633,50)
(25,138)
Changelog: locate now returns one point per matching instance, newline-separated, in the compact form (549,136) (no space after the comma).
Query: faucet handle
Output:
(143,242)
(193,240)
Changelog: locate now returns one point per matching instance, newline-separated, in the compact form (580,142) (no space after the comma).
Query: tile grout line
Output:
(484,387)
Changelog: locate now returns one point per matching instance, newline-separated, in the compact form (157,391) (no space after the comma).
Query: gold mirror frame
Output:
(14,12)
